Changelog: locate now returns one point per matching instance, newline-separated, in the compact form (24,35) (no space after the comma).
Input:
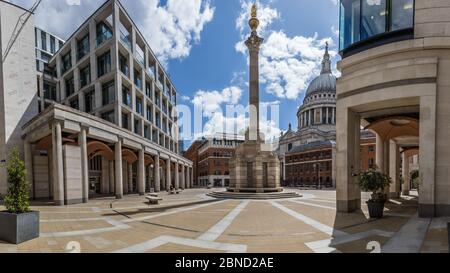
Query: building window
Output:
(52,45)
(104,33)
(149,114)
(137,126)
(89,99)
(330,115)
(324,115)
(85,76)
(123,62)
(66,63)
(108,116)
(74,103)
(108,93)
(290,147)
(125,122)
(373,18)
(44,41)
(148,90)
(83,47)
(362,19)
(139,106)
(103,64)
(402,14)
(371,148)
(49,91)
(138,79)
(70,87)
(147,132)
(126,96)
(371,163)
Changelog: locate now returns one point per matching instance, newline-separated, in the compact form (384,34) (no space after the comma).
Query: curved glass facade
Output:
(364,20)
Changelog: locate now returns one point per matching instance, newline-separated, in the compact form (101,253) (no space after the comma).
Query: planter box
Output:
(375,209)
(19,228)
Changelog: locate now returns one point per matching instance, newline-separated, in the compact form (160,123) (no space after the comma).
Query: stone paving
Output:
(194,223)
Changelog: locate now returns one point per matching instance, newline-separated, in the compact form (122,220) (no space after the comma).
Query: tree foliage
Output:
(375,182)
(17,199)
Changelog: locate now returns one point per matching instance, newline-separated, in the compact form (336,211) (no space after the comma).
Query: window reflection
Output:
(402,14)
(363,19)
(373,18)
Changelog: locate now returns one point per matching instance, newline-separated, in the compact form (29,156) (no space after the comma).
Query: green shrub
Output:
(375,182)
(415,179)
(16,201)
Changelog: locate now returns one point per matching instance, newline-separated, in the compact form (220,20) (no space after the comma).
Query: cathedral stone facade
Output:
(307,154)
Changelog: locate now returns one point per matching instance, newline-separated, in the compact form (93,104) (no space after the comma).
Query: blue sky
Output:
(200,43)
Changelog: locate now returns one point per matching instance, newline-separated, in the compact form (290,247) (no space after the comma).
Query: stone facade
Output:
(18,102)
(399,87)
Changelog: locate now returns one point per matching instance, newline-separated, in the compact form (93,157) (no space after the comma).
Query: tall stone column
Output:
(188,177)
(111,178)
(118,167)
(427,157)
(253,44)
(168,174)
(177,175)
(84,164)
(394,170)
(192,178)
(58,171)
(130,178)
(141,172)
(405,174)
(157,175)
(348,160)
(379,152)
(183,177)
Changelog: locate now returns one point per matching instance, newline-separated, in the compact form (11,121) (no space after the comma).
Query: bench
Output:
(153,200)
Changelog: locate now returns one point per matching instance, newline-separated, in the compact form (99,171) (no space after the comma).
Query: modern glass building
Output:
(368,23)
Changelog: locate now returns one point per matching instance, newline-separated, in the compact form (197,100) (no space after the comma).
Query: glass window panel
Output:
(350,22)
(402,14)
(373,18)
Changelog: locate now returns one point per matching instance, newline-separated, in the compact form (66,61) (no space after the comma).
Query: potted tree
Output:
(375,182)
(18,224)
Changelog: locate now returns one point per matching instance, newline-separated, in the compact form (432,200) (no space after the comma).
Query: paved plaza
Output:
(192,222)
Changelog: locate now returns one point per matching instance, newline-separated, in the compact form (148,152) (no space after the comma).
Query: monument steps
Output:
(254,196)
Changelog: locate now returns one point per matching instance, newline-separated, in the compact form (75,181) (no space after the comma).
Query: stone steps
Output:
(254,196)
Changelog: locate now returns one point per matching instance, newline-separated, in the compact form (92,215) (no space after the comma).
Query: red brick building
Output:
(210,157)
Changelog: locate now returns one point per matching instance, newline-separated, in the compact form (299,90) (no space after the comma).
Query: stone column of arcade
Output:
(394,170)
(141,172)
(157,175)
(84,164)
(168,174)
(57,158)
(183,176)
(118,168)
(177,175)
(405,174)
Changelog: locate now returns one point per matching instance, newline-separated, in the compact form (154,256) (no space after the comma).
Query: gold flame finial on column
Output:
(254,22)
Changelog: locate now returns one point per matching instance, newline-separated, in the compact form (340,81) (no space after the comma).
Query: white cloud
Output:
(170,29)
(287,64)
(219,123)
(211,101)
(335,2)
